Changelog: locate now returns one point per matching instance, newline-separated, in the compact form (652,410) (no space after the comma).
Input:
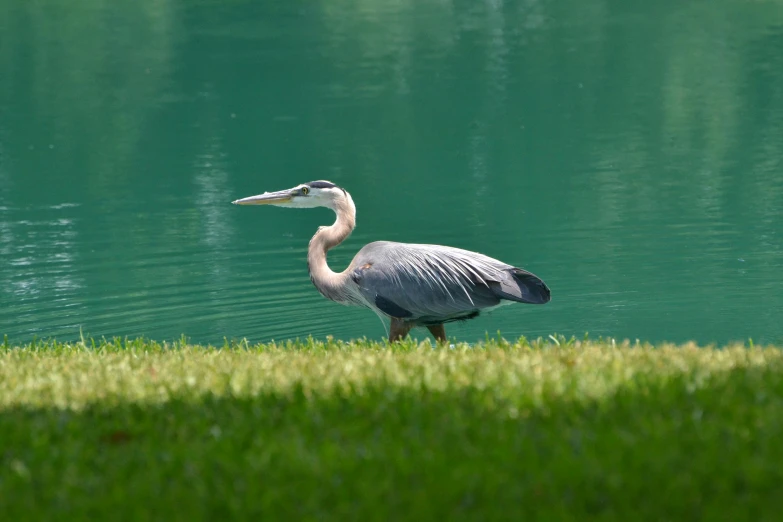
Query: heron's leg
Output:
(399,329)
(438,331)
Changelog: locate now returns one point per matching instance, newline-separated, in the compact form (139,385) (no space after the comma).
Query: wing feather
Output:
(434,282)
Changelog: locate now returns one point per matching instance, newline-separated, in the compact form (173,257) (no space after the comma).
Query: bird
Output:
(409,284)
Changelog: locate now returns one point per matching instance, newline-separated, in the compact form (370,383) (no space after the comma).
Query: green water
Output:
(629,153)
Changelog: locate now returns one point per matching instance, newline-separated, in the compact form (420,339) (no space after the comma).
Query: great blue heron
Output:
(411,284)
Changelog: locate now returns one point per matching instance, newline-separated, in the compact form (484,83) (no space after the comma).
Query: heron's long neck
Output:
(327,281)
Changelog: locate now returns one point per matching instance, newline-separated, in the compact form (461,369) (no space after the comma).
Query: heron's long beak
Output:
(267,198)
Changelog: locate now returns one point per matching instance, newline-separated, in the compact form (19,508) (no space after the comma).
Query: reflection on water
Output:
(41,274)
(628,154)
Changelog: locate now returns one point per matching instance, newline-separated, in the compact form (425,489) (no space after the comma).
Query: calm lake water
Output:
(629,153)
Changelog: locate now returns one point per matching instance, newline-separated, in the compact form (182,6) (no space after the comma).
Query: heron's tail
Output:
(523,287)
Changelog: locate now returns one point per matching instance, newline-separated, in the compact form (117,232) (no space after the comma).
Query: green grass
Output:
(555,430)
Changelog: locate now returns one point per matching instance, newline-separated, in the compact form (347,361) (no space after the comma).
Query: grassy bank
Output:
(337,431)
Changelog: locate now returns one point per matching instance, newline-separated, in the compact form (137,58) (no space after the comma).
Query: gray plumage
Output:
(432,284)
(411,284)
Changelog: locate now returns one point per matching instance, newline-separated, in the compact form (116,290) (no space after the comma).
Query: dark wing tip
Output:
(534,290)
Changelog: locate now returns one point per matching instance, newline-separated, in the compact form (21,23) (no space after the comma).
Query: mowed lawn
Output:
(553,429)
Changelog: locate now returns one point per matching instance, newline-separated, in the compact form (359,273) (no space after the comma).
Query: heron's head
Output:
(307,195)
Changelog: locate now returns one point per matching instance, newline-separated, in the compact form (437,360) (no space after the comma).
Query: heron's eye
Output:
(305,190)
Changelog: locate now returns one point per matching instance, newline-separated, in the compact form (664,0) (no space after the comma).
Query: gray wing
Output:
(431,284)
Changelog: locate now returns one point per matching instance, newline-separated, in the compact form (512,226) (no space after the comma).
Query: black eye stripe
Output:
(322,185)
